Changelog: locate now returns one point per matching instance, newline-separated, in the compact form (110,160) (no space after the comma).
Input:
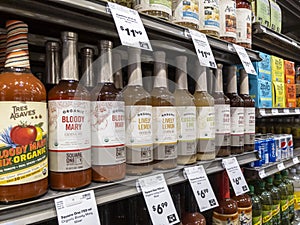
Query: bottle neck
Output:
(134,70)
(52,63)
(17,54)
(201,80)
(117,68)
(106,75)
(69,69)
(160,75)
(181,75)
(232,82)
(244,85)
(87,67)
(218,84)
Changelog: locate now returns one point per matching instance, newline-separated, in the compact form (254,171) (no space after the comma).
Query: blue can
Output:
(271,149)
(259,147)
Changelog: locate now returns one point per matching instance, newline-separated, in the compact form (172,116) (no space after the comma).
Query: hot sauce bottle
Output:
(108,123)
(69,124)
(23,128)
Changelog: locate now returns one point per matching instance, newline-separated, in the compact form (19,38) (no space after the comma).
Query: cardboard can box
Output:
(290,94)
(261,91)
(263,67)
(277,67)
(289,72)
(278,95)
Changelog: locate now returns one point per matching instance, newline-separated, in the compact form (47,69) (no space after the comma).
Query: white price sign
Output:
(77,209)
(236,176)
(262,174)
(201,187)
(244,57)
(130,27)
(203,49)
(158,200)
(295,160)
(280,166)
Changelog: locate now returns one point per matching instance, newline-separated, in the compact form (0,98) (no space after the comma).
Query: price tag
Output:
(274,111)
(158,200)
(293,110)
(281,111)
(295,160)
(286,110)
(235,175)
(201,187)
(280,166)
(297,110)
(244,57)
(203,49)
(130,27)
(268,111)
(77,209)
(262,174)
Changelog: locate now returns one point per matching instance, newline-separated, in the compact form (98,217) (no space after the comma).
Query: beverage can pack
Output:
(284,147)
(259,146)
(290,145)
(277,140)
(271,149)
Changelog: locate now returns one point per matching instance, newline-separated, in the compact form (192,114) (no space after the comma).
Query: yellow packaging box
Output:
(290,95)
(277,69)
(278,94)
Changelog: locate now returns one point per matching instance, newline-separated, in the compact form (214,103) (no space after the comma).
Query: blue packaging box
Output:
(263,68)
(261,91)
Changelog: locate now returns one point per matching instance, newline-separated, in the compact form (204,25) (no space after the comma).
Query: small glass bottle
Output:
(22,98)
(209,17)
(138,119)
(244,23)
(236,112)
(69,124)
(156,8)
(205,116)
(87,72)
(186,13)
(53,62)
(228,20)
(108,123)
(186,115)
(164,117)
(117,70)
(222,115)
(249,112)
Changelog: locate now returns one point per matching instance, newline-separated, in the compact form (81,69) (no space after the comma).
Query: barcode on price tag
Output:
(201,187)
(244,57)
(236,176)
(130,27)
(158,200)
(203,49)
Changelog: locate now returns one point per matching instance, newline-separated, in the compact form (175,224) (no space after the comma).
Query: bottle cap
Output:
(87,51)
(159,56)
(69,36)
(52,46)
(105,44)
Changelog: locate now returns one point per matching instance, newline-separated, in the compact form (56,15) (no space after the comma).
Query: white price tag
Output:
(203,49)
(236,176)
(130,27)
(280,166)
(77,209)
(262,174)
(244,57)
(201,187)
(158,200)
(286,110)
(295,160)
(274,111)
(297,110)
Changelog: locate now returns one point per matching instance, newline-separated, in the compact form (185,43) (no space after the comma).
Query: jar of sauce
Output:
(243,23)
(244,208)
(23,122)
(228,20)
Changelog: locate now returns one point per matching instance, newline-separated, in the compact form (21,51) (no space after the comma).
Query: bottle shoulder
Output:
(183,98)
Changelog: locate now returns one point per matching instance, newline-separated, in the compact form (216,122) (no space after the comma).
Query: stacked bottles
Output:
(186,115)
(69,124)
(138,118)
(205,116)
(108,123)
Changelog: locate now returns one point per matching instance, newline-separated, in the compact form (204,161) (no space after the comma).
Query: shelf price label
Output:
(158,200)
(130,27)
(262,173)
(236,176)
(201,187)
(295,160)
(280,166)
(244,57)
(77,209)
(203,49)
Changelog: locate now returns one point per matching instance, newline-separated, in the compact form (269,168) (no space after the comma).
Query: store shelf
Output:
(277,112)
(272,168)
(92,18)
(275,43)
(43,208)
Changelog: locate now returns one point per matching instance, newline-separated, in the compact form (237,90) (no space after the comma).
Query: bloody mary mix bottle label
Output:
(23,140)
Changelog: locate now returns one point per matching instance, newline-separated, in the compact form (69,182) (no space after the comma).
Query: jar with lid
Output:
(158,8)
(209,19)
(186,13)
(228,20)
(243,23)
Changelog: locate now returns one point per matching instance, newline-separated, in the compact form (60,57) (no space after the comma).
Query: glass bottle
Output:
(209,17)
(69,124)
(249,112)
(236,113)
(53,62)
(244,23)
(22,98)
(275,194)
(186,116)
(228,20)
(284,202)
(244,208)
(256,207)
(222,115)
(117,70)
(205,116)
(138,211)
(186,13)
(3,40)
(164,117)
(138,119)
(108,123)
(87,72)
(227,211)
(290,187)
(156,8)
